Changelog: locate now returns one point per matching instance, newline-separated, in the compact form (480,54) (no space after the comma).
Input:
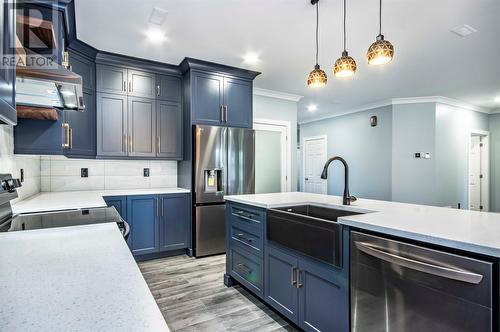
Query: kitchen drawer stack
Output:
(245,238)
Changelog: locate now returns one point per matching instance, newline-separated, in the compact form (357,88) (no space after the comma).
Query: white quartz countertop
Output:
(71,200)
(472,231)
(80,278)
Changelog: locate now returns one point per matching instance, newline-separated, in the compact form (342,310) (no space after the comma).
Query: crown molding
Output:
(440,100)
(276,94)
(412,100)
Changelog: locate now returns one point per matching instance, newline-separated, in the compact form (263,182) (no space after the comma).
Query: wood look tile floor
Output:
(192,297)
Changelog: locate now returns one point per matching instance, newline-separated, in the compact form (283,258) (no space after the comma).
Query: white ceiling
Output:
(429,59)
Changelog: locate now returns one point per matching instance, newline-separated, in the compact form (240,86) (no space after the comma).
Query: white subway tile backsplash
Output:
(62,174)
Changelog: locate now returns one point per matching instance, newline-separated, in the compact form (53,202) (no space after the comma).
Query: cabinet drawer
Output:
(246,215)
(247,269)
(248,238)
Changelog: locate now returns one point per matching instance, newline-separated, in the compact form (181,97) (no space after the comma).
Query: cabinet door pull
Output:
(129,86)
(242,236)
(65,127)
(70,137)
(158,144)
(131,144)
(124,145)
(225,113)
(245,268)
(157,207)
(124,86)
(299,284)
(162,207)
(221,113)
(293,281)
(158,90)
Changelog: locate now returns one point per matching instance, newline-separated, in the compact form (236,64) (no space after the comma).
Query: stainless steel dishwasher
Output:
(396,286)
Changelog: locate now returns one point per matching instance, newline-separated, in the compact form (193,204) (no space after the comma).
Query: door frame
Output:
(303,148)
(286,161)
(485,168)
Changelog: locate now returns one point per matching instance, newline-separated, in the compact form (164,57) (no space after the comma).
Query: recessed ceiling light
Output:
(158,16)
(463,30)
(312,108)
(156,35)
(251,58)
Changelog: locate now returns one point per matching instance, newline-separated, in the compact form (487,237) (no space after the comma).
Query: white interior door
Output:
(475,173)
(314,157)
(272,157)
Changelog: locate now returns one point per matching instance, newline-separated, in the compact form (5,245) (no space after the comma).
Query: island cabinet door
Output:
(174,221)
(280,290)
(323,298)
(142,215)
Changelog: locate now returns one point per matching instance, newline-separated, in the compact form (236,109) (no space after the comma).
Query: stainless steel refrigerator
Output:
(223,165)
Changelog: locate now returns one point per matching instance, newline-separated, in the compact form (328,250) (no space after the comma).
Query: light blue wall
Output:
(366,149)
(494,127)
(283,110)
(453,128)
(413,130)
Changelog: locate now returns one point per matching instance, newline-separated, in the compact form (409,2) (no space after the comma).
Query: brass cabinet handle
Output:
(158,90)
(158,143)
(131,144)
(124,86)
(293,281)
(221,113)
(124,145)
(225,113)
(65,127)
(129,86)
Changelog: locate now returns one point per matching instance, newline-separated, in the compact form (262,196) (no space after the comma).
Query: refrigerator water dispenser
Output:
(213,180)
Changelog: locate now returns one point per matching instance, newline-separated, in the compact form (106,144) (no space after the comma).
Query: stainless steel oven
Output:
(397,286)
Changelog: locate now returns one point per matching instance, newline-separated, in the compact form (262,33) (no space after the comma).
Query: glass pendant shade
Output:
(317,78)
(345,66)
(380,52)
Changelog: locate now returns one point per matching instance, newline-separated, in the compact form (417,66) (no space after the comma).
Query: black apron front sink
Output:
(310,230)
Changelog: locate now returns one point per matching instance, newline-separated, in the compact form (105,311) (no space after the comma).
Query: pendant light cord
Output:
(380,18)
(317,29)
(344,25)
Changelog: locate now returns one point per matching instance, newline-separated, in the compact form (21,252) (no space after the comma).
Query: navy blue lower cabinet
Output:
(120,204)
(323,302)
(142,216)
(280,289)
(174,221)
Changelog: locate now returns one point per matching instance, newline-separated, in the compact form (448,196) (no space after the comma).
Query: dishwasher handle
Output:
(442,271)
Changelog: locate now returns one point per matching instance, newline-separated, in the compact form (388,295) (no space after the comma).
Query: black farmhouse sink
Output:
(309,229)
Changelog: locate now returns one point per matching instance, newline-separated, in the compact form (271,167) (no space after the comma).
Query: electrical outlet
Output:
(146,172)
(84,172)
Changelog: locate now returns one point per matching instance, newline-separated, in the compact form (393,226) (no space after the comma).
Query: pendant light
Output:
(345,66)
(381,51)
(317,78)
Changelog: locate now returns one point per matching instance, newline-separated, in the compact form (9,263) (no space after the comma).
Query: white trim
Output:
(403,101)
(276,94)
(485,184)
(286,155)
(310,138)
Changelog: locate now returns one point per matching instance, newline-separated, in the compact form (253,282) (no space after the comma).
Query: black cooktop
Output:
(62,219)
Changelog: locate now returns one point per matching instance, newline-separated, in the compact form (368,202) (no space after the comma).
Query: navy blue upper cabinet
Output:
(7,74)
(111,79)
(142,213)
(141,84)
(207,97)
(237,102)
(141,127)
(168,88)
(40,136)
(217,94)
(169,129)
(84,67)
(280,289)
(174,221)
(82,129)
(112,132)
